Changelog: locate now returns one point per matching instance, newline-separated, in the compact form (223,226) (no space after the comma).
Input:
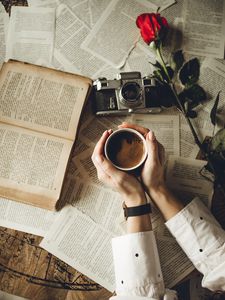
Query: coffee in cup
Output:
(126,149)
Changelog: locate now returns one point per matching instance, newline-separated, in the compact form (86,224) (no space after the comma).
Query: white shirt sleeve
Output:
(203,240)
(137,268)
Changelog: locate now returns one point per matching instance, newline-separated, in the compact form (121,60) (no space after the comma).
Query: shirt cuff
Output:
(200,236)
(137,266)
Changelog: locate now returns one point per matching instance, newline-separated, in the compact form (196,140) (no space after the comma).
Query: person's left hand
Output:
(126,184)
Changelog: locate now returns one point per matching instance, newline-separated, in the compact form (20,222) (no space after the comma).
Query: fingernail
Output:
(151,136)
(110,131)
(106,131)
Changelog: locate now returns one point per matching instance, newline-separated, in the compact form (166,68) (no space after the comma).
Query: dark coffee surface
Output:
(126,149)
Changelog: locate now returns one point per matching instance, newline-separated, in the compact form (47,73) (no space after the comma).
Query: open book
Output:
(39,115)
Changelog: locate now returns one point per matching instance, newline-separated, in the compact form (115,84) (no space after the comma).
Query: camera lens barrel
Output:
(130,94)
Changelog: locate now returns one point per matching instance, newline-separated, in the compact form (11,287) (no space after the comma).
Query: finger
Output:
(99,148)
(141,129)
(102,176)
(162,155)
(152,148)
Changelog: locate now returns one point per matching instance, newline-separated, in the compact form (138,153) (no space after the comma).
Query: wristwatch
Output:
(136,210)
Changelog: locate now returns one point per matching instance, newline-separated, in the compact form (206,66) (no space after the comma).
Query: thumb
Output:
(152,147)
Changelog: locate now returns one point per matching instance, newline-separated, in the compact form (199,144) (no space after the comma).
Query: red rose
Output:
(153,27)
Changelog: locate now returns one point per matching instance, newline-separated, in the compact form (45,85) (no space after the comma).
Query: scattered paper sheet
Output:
(204,27)
(166,129)
(87,11)
(185,181)
(31,35)
(25,217)
(4,20)
(212,79)
(70,31)
(79,241)
(101,204)
(43,3)
(112,40)
(162,4)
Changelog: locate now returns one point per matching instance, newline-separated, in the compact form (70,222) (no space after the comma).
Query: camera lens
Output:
(130,91)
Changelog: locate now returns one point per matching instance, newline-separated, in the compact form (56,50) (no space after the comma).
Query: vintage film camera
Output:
(129,93)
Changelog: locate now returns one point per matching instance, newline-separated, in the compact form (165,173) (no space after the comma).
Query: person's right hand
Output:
(152,174)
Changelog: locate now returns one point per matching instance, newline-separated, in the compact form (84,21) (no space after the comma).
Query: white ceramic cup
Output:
(113,148)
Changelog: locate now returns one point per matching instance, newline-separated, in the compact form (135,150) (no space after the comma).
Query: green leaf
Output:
(157,74)
(194,95)
(218,141)
(170,72)
(165,95)
(192,114)
(177,60)
(214,109)
(189,74)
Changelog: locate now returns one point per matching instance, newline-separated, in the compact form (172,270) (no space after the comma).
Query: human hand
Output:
(152,174)
(126,184)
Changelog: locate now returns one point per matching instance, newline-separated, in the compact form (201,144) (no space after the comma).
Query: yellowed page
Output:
(32,165)
(42,99)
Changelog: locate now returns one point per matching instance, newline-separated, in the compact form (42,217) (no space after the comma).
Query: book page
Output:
(4,19)
(204,27)
(70,32)
(118,20)
(43,3)
(162,4)
(184,178)
(87,11)
(100,203)
(31,35)
(26,218)
(212,79)
(42,99)
(32,165)
(165,128)
(83,244)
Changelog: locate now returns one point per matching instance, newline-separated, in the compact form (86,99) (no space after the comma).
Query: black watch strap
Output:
(136,210)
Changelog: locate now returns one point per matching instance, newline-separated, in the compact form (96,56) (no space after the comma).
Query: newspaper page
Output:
(32,165)
(31,35)
(115,34)
(26,218)
(42,99)
(165,128)
(204,27)
(184,178)
(70,32)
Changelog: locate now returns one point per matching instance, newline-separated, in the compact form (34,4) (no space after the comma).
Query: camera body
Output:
(128,93)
